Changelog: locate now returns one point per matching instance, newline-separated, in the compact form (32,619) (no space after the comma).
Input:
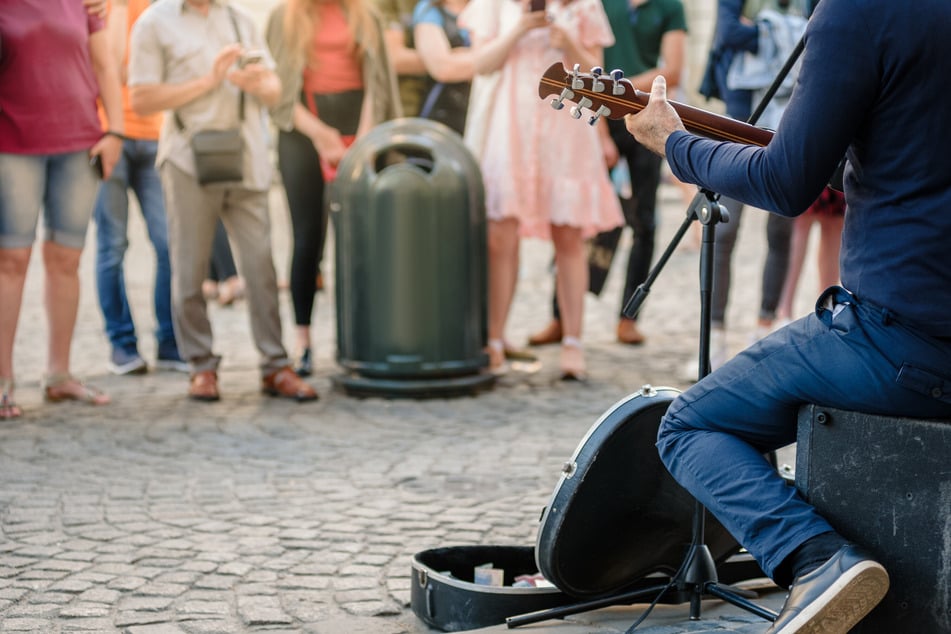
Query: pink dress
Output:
(539,164)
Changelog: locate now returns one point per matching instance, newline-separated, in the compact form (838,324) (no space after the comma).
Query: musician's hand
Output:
(652,125)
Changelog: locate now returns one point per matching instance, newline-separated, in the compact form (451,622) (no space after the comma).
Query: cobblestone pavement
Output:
(160,515)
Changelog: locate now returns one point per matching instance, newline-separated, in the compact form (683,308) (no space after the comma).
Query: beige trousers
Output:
(193,212)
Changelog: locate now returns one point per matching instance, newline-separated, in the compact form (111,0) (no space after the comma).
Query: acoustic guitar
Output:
(613,96)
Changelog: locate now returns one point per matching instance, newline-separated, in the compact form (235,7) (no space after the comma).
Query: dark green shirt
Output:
(638,33)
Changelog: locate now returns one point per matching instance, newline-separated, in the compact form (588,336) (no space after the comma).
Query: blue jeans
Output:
(135,170)
(62,186)
(850,355)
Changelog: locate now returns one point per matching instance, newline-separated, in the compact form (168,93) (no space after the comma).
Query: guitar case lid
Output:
(616,514)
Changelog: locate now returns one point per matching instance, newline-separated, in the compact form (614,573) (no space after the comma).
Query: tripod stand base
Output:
(737,598)
(741,567)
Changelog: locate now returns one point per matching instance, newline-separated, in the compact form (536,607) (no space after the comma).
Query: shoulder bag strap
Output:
(237,33)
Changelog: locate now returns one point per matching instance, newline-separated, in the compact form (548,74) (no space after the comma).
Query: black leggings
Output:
(304,184)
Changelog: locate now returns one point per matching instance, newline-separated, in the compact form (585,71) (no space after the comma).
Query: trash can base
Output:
(358,385)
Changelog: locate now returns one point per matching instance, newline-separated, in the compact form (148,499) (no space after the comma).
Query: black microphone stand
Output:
(698,574)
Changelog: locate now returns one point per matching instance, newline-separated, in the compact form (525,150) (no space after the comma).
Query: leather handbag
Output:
(219,156)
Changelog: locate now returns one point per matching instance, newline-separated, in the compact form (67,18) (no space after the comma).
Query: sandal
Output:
(56,389)
(514,353)
(572,360)
(496,352)
(8,407)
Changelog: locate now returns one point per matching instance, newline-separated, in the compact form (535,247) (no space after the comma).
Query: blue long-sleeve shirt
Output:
(872,84)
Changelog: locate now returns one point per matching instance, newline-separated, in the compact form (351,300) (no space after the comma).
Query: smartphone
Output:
(538,5)
(96,163)
(250,57)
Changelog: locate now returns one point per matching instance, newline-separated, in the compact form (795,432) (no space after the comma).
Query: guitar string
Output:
(637,107)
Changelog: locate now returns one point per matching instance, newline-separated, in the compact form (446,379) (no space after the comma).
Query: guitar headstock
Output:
(610,96)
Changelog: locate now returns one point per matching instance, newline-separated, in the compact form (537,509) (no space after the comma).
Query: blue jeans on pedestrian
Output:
(850,354)
(61,186)
(135,170)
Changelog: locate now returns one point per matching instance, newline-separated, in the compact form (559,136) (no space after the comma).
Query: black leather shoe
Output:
(835,596)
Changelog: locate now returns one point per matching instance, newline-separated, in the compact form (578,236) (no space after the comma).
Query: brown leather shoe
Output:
(287,384)
(204,386)
(628,333)
(547,335)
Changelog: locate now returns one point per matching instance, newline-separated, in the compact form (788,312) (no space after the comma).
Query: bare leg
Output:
(572,283)
(62,304)
(797,255)
(503,249)
(830,241)
(13,267)
(302,337)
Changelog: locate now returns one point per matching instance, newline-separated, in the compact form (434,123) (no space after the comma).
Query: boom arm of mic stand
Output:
(699,209)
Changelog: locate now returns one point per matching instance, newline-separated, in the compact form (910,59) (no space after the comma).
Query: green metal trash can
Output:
(409,223)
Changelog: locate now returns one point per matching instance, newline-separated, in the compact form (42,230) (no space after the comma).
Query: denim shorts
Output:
(62,185)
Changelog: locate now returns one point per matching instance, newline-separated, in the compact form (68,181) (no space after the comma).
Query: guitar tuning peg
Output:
(576,81)
(584,102)
(616,76)
(596,84)
(557,103)
(603,111)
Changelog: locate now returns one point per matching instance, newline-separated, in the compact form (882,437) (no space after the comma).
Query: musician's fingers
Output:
(659,89)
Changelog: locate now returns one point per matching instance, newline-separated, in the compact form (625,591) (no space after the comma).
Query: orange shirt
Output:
(136,126)
(333,65)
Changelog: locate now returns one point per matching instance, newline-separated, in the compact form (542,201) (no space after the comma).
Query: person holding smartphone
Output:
(49,131)
(650,39)
(185,59)
(545,173)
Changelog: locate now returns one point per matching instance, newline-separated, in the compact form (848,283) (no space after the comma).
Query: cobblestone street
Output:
(156,514)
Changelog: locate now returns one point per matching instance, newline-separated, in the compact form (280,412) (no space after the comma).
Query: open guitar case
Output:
(616,522)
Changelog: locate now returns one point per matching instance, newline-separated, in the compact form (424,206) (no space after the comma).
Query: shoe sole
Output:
(537,343)
(844,604)
(172,366)
(132,367)
(291,397)
(203,398)
(631,342)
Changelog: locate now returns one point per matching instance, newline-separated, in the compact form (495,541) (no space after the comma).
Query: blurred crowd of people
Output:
(131,84)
